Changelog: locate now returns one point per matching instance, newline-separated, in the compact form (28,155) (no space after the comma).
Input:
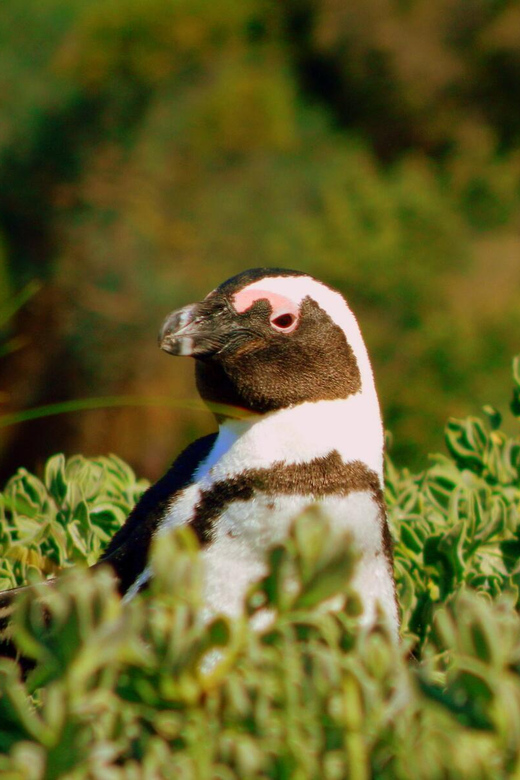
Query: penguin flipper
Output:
(127,552)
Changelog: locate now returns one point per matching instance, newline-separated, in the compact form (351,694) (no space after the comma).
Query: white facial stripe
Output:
(296,288)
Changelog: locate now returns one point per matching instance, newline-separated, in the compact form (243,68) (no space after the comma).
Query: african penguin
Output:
(286,351)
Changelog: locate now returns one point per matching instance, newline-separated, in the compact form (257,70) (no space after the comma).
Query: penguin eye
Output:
(284,322)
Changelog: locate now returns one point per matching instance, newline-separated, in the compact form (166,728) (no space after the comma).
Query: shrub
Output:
(149,690)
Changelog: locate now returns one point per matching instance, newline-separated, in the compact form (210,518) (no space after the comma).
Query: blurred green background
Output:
(150,149)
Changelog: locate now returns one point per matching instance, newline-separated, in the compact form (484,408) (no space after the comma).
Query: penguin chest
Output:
(238,538)
(235,557)
(242,532)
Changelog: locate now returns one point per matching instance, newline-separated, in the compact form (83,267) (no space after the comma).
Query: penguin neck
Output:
(351,426)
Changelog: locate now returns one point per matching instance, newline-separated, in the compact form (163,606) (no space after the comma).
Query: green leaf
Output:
(55,480)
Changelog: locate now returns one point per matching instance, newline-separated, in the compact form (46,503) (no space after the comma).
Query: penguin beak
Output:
(189,332)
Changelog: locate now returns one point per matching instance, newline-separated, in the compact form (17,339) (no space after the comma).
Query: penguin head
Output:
(269,339)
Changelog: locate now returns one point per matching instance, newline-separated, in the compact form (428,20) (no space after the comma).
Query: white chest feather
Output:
(245,529)
(236,556)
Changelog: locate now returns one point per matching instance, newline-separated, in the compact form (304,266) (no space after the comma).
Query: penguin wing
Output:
(127,552)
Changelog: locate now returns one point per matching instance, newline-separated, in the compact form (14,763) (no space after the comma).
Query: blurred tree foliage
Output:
(151,148)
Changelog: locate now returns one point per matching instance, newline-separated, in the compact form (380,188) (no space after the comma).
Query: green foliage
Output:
(66,517)
(456,525)
(151,689)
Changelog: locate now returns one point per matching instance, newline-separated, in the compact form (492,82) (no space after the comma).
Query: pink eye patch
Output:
(284,311)
(244,299)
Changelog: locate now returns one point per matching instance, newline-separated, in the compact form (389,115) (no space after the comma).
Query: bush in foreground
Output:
(148,690)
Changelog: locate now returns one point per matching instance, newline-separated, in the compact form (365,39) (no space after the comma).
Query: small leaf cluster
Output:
(294,688)
(457,524)
(67,517)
